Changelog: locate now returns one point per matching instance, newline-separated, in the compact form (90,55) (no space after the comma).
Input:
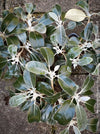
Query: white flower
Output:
(86,45)
(60,100)
(56,68)
(27,45)
(35,95)
(15,59)
(58,50)
(75,62)
(52,74)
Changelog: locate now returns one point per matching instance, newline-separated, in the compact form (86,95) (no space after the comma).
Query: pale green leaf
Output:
(40,28)
(17,100)
(74,52)
(37,67)
(85,61)
(12,49)
(97,70)
(76,130)
(75,15)
(71,25)
(29,7)
(59,36)
(36,40)
(88,84)
(81,118)
(67,85)
(53,16)
(29,79)
(48,55)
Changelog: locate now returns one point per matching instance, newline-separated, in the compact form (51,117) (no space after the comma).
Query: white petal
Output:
(56,68)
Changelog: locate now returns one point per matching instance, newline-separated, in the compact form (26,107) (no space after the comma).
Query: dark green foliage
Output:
(39,54)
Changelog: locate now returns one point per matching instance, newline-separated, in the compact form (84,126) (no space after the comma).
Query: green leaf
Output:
(12,26)
(53,39)
(51,120)
(83,5)
(88,31)
(13,40)
(76,130)
(92,125)
(96,44)
(45,113)
(1,42)
(87,93)
(75,15)
(71,25)
(29,7)
(48,55)
(65,113)
(9,23)
(45,19)
(17,100)
(85,61)
(91,66)
(65,131)
(12,71)
(18,11)
(50,30)
(73,41)
(3,62)
(29,79)
(81,118)
(26,105)
(53,99)
(37,67)
(96,71)
(65,70)
(67,85)
(5,13)
(59,36)
(12,49)
(53,16)
(95,29)
(48,113)
(74,52)
(44,88)
(88,84)
(90,105)
(20,29)
(34,114)
(19,84)
(36,40)
(40,28)
(57,10)
(22,37)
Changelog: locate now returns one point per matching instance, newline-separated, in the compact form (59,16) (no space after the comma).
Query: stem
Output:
(88,20)
(20,52)
(64,56)
(52,84)
(53,129)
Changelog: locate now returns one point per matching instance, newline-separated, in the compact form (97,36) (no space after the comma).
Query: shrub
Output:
(39,54)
